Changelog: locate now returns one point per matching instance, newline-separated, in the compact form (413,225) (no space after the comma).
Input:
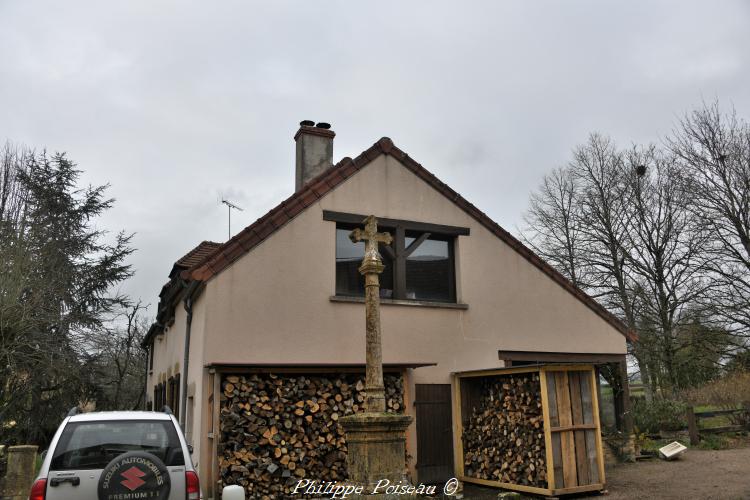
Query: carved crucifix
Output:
(371,267)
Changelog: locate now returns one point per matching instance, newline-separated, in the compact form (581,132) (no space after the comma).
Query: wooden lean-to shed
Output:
(533,429)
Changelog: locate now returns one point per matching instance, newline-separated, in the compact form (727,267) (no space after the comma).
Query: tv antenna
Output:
(230,206)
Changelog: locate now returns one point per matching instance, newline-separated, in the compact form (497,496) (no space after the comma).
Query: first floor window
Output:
(349,282)
(429,269)
(419,262)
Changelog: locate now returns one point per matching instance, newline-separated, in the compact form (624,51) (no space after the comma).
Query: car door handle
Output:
(74,480)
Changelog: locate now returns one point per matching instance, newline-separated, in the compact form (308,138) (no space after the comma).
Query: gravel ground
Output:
(697,475)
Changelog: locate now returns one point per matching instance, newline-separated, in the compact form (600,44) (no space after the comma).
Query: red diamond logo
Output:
(133,479)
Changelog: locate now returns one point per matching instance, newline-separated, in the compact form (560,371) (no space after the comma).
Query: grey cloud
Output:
(176,103)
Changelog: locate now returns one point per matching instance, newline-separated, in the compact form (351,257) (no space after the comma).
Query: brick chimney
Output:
(314,151)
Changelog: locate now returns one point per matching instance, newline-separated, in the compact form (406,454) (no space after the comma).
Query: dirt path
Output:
(697,475)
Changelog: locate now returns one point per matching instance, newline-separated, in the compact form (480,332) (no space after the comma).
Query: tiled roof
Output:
(318,187)
(197,254)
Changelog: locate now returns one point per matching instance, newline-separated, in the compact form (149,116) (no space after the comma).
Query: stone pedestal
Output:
(19,474)
(376,444)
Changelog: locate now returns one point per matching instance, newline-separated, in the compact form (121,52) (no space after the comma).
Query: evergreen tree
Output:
(57,273)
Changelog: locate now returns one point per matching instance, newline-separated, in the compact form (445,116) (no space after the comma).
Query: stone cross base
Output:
(376,444)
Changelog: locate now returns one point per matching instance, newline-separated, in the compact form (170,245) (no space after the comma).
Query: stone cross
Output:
(371,267)
(376,440)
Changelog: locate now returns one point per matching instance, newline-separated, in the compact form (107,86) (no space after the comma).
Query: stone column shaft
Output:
(375,402)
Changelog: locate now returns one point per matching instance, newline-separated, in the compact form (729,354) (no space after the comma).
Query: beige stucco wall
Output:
(195,382)
(272,305)
(169,350)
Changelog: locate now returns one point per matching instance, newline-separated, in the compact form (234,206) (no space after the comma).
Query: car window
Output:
(92,445)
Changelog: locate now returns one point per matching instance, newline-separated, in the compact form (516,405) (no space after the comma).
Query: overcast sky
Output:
(176,104)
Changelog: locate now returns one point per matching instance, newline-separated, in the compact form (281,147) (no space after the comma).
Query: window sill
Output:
(397,302)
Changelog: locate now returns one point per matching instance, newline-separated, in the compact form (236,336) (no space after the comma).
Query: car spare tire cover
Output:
(134,475)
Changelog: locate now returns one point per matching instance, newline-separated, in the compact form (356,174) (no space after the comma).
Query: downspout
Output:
(186,360)
(191,294)
(145,381)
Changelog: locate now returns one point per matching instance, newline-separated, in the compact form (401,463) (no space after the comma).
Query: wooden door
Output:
(434,433)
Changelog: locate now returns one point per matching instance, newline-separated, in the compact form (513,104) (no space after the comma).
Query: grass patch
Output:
(718,421)
(714,442)
(653,445)
(708,442)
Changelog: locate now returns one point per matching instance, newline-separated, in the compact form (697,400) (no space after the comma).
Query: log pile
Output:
(278,429)
(504,438)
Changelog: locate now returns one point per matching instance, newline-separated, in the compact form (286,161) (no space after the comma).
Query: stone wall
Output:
(618,449)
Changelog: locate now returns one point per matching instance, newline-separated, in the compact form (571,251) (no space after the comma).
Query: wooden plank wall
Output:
(573,428)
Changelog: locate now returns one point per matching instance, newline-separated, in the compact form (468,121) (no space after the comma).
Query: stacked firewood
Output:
(278,429)
(504,438)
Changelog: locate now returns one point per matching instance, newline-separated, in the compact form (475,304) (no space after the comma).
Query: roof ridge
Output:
(326,181)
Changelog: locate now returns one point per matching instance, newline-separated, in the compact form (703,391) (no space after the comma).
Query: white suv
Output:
(119,455)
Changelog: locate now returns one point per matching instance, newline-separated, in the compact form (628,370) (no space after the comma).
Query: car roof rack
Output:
(74,411)
(166,409)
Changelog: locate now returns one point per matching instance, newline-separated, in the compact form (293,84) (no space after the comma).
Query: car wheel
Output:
(135,472)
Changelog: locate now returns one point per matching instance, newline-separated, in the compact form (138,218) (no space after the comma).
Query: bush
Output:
(730,391)
(658,415)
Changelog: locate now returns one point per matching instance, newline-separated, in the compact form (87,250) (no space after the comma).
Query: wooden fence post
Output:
(692,427)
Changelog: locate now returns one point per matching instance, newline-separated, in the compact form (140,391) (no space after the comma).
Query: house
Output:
(283,296)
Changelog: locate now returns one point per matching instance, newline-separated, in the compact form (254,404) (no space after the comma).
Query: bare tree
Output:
(599,169)
(667,256)
(13,158)
(617,224)
(714,152)
(554,214)
(579,222)
(119,361)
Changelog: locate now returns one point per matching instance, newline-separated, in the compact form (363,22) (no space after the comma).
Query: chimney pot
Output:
(314,151)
